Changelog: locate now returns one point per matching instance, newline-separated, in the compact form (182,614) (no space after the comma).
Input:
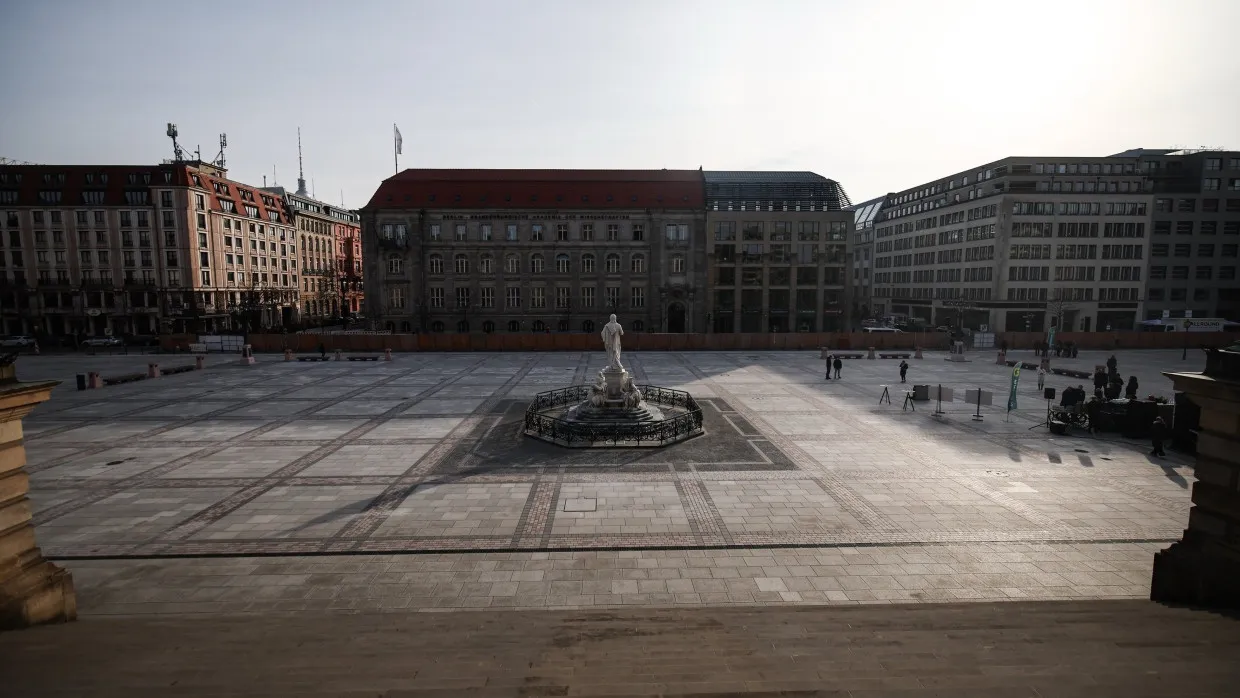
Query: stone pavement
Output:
(1093,649)
(812,483)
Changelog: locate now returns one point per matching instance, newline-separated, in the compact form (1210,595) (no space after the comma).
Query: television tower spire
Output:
(301,176)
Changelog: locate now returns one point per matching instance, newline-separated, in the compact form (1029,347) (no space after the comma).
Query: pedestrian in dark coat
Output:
(903,370)
(322,349)
(837,364)
(1130,391)
(1112,365)
(830,359)
(1158,434)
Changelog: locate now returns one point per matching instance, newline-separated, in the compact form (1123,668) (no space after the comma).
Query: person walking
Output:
(903,370)
(322,350)
(1158,434)
(830,358)
(837,364)
(1041,378)
(1130,391)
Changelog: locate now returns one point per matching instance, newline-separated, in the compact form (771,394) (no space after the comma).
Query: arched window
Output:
(678,264)
(436,264)
(461,262)
(563,325)
(587,326)
(437,326)
(462,326)
(512,264)
(395,265)
(638,264)
(638,326)
(536,264)
(514,326)
(562,265)
(613,263)
(488,327)
(587,264)
(540,326)
(486,264)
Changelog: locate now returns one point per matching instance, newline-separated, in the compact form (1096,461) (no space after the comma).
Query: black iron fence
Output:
(572,433)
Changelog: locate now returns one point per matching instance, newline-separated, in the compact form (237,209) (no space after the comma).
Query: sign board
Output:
(971,397)
(198,348)
(1166,314)
(938,392)
(107,332)
(1015,380)
(1188,313)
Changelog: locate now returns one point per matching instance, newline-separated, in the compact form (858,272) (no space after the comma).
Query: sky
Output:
(880,95)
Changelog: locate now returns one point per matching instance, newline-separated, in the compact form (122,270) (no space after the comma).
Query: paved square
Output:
(425,454)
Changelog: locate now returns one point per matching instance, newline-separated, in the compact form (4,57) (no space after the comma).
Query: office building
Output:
(778,252)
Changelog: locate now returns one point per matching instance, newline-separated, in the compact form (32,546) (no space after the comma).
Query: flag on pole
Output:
(399,140)
(1015,381)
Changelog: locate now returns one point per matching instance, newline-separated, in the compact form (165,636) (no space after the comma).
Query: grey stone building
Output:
(862,256)
(1019,244)
(1196,233)
(536,251)
(779,252)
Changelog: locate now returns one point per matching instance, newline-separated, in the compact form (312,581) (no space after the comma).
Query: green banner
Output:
(1050,341)
(1015,380)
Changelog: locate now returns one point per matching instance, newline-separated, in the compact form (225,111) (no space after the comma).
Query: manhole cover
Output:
(586,504)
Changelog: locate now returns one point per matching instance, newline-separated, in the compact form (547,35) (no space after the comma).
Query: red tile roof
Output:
(613,189)
(73,182)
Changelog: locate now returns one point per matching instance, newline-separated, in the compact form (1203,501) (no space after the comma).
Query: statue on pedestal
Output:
(612,332)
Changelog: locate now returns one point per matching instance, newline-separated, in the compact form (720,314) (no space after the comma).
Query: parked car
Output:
(103,342)
(19,341)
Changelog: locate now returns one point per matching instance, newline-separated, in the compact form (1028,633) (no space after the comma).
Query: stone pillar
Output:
(32,590)
(1203,568)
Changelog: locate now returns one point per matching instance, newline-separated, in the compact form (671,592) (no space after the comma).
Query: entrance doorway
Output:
(676,318)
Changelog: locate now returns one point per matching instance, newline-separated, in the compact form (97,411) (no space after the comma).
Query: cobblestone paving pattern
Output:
(424,454)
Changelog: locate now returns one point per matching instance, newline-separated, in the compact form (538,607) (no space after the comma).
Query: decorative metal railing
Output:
(573,433)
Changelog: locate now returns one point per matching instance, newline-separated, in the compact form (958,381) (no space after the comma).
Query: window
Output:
(561,232)
(1226,273)
(395,265)
(639,232)
(587,296)
(1179,294)
(512,297)
(536,232)
(563,298)
(486,297)
(484,232)
(437,296)
(1228,251)
(85,254)
(396,298)
(1204,273)
(514,326)
(587,264)
(204,259)
(1155,294)
(613,232)
(1205,250)
(637,297)
(1209,227)
(638,264)
(1179,273)
(1182,250)
(512,264)
(126,219)
(562,264)
(510,233)
(461,264)
(1211,184)
(486,264)
(202,221)
(436,264)
(613,296)
(1184,228)
(677,232)
(463,297)
(459,232)
(639,326)
(1214,163)
(435,232)
(678,264)
(1158,250)
(587,231)
(539,326)
(536,264)
(538,297)
(1158,273)
(613,263)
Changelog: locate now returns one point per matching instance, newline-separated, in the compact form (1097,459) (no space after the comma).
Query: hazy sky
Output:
(880,95)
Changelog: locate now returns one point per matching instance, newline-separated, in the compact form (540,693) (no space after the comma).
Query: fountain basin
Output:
(666,417)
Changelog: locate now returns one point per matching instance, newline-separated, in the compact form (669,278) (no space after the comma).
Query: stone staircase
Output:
(1089,649)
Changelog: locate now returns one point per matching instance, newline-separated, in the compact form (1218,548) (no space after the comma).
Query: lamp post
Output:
(1184,353)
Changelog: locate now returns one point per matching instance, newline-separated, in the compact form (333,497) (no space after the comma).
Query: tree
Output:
(1060,303)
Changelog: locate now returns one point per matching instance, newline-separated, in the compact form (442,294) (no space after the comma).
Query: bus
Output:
(1190,324)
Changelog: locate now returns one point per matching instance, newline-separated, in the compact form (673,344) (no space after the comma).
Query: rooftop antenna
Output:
(219,159)
(274,182)
(177,153)
(301,175)
(341,198)
(264,181)
(311,187)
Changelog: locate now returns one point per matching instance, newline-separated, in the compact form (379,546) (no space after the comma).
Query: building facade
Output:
(536,250)
(778,252)
(323,289)
(347,231)
(139,250)
(1195,235)
(1019,244)
(862,255)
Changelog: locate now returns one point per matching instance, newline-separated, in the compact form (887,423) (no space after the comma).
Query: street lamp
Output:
(1184,354)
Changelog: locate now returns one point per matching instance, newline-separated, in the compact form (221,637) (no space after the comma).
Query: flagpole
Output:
(395,149)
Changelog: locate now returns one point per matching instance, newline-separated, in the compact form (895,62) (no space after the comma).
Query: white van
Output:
(880,330)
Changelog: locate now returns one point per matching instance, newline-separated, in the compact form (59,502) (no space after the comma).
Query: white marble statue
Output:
(612,332)
(632,396)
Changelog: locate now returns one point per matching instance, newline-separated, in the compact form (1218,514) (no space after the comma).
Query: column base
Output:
(1201,573)
(39,594)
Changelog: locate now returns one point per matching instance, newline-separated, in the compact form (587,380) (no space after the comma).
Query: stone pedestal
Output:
(1203,568)
(614,378)
(32,590)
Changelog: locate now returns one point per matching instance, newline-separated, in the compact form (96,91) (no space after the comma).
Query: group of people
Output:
(1109,384)
(1063,350)
(834,362)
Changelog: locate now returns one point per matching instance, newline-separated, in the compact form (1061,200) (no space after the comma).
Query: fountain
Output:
(613,411)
